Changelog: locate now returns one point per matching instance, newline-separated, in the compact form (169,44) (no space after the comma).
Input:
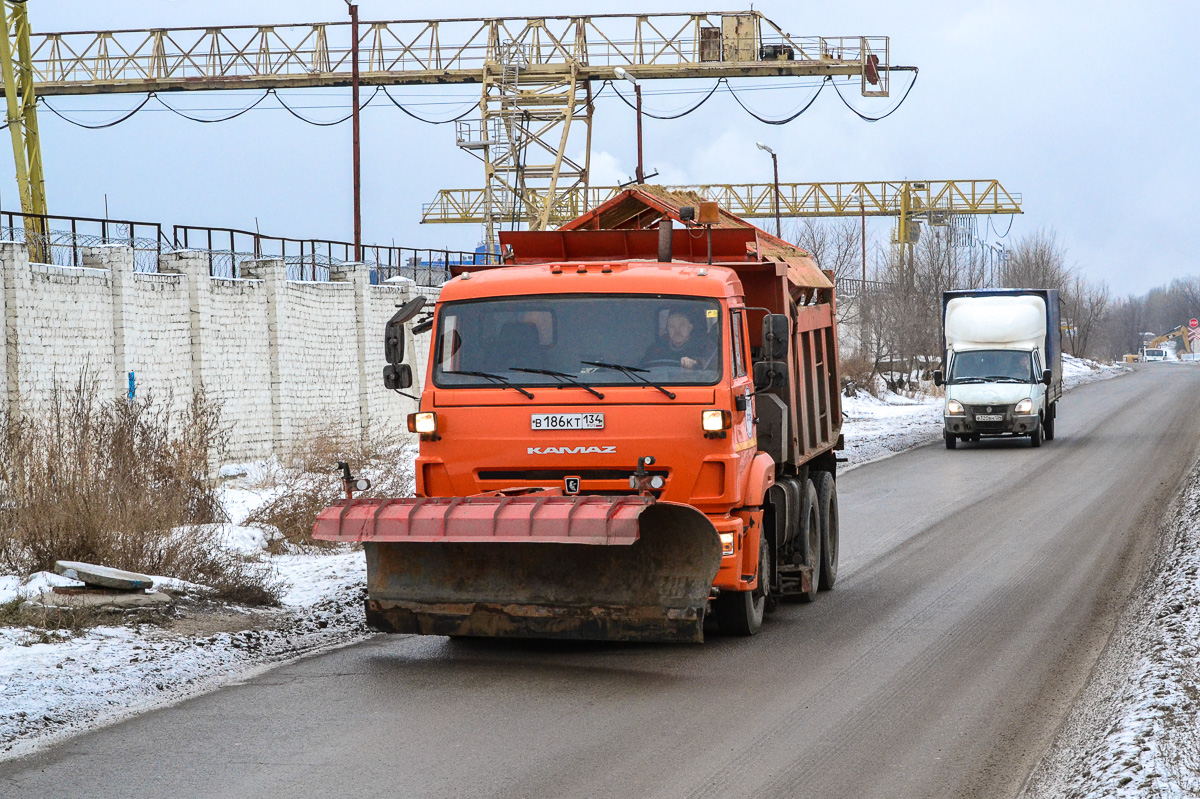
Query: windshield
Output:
(1154,353)
(992,366)
(596,340)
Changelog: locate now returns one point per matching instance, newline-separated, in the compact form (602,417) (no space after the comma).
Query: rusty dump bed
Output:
(595,568)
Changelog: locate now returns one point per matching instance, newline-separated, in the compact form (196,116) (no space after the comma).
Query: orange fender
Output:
(761,478)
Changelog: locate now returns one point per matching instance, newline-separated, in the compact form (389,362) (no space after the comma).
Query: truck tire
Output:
(951,440)
(810,539)
(827,504)
(1048,423)
(1035,437)
(741,612)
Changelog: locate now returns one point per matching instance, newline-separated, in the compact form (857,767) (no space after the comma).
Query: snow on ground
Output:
(54,684)
(1135,732)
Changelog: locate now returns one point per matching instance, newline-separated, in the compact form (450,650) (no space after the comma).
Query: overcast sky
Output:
(1086,109)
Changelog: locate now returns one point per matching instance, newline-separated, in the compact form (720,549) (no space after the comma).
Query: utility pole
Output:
(862,211)
(637,93)
(355,124)
(775,165)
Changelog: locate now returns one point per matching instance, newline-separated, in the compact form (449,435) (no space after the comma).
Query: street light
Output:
(354,124)
(775,164)
(637,91)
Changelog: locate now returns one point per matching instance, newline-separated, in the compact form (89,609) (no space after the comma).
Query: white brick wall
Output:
(285,360)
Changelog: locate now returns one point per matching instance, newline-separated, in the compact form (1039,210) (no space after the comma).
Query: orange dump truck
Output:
(627,432)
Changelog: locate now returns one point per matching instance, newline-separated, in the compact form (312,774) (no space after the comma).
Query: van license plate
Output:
(990,417)
(566,421)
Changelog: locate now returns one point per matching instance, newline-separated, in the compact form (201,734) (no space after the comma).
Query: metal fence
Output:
(854,287)
(60,240)
(310,259)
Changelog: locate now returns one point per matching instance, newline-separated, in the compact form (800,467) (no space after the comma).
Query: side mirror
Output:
(770,374)
(937,377)
(397,376)
(775,337)
(393,332)
(1047,376)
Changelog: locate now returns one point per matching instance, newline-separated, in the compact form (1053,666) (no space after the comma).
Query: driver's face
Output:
(679,330)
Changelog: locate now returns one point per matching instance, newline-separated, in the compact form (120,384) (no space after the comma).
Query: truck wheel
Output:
(741,612)
(810,537)
(1035,438)
(1048,423)
(827,504)
(951,440)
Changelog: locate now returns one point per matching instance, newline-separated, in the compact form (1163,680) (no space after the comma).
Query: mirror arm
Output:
(410,396)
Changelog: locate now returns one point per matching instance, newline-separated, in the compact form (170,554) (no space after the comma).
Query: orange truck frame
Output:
(627,432)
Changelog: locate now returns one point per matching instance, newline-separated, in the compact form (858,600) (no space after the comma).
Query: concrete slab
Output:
(92,574)
(105,600)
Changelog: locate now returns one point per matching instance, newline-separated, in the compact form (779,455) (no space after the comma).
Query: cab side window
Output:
(739,344)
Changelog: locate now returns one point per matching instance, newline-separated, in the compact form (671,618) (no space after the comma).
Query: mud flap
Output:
(654,589)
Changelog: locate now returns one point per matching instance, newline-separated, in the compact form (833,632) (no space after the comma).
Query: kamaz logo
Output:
(571,451)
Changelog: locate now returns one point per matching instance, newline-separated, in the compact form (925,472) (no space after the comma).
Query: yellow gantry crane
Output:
(21,108)
(533,131)
(911,202)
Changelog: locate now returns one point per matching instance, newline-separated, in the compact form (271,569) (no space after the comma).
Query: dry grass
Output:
(858,374)
(111,482)
(1180,745)
(310,482)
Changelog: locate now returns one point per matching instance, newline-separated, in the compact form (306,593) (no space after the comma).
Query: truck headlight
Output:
(424,423)
(715,421)
(954,408)
(726,543)
(1025,405)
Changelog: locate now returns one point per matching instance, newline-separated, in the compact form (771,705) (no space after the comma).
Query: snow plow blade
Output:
(533,566)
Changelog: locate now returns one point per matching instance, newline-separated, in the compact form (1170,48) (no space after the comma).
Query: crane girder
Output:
(535,73)
(412,52)
(916,199)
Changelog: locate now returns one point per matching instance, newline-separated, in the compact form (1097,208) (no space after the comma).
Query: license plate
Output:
(989,417)
(566,421)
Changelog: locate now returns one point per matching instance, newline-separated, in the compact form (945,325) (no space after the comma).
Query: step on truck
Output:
(627,432)
(1002,356)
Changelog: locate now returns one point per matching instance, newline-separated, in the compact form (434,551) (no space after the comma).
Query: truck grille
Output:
(991,427)
(557,475)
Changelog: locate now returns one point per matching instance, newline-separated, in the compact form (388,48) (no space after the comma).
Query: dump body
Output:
(1002,362)
(582,474)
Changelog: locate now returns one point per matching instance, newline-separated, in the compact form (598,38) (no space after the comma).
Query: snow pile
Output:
(1139,728)
(875,428)
(53,684)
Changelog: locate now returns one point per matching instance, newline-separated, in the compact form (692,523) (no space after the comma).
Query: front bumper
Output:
(1013,424)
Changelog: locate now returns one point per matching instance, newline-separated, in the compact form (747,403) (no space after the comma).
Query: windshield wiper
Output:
(566,378)
(497,378)
(967,380)
(630,371)
(1005,379)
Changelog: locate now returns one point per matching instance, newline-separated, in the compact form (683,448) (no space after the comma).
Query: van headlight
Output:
(1025,406)
(954,408)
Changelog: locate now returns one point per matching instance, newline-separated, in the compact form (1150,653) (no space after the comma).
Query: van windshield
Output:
(992,366)
(597,340)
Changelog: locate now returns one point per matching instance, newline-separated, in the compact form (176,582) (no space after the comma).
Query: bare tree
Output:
(1038,261)
(836,245)
(1086,303)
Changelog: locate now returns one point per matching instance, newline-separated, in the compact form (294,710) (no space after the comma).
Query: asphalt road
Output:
(977,588)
